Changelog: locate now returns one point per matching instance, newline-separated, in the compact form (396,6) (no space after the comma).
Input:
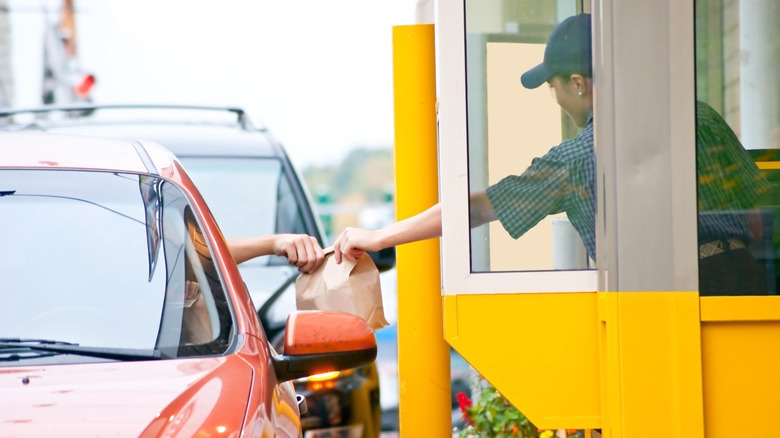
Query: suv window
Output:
(248,197)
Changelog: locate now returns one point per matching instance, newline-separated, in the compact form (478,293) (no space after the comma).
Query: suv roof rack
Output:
(241,116)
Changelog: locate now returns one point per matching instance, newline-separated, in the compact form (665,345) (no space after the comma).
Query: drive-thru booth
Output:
(623,341)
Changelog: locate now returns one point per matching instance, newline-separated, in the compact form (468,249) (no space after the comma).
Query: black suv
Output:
(252,188)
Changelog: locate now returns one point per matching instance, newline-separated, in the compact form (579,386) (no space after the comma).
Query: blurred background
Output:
(318,73)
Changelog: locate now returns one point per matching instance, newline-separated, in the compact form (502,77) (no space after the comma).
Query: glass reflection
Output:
(737,118)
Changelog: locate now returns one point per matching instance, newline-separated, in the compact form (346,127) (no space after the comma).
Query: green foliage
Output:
(492,416)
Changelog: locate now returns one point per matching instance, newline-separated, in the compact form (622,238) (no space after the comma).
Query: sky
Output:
(317,73)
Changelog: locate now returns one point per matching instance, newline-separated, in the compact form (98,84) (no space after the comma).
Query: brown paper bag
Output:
(351,287)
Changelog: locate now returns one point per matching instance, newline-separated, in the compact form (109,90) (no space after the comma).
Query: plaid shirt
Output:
(729,181)
(563,180)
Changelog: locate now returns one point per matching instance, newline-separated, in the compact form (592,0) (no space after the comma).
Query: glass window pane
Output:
(738,121)
(530,145)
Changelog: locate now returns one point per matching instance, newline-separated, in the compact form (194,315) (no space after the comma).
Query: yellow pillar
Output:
(423,355)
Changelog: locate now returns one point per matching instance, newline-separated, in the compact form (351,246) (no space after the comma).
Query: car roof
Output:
(184,130)
(184,139)
(31,149)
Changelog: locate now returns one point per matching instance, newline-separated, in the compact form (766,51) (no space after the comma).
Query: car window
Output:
(248,197)
(104,260)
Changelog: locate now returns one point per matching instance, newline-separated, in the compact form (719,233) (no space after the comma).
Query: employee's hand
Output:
(301,250)
(352,243)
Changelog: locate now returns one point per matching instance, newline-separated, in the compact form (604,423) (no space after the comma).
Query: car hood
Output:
(118,399)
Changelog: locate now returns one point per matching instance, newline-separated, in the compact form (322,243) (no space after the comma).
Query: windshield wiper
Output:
(72,348)
(35,341)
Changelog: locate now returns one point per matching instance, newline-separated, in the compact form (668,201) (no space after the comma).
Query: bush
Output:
(491,415)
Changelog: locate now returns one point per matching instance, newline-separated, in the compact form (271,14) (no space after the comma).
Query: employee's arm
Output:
(353,242)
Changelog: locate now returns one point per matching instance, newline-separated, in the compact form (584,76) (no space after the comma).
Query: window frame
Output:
(642,219)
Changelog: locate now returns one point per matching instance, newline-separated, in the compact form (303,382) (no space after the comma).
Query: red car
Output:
(123,313)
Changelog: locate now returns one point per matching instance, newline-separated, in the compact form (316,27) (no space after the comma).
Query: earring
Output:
(580,93)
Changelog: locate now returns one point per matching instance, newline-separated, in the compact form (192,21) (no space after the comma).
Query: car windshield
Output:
(105,259)
(248,197)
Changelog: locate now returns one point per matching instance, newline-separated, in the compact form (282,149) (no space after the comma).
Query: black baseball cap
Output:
(568,51)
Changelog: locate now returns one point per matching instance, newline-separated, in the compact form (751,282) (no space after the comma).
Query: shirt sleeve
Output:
(521,201)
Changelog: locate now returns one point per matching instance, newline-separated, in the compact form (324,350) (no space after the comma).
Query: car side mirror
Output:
(384,259)
(321,341)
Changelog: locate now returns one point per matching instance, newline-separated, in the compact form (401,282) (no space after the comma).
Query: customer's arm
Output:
(301,250)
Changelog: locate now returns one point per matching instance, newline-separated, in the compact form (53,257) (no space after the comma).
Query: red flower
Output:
(464,402)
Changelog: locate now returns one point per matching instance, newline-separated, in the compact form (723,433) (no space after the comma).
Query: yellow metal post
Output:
(423,355)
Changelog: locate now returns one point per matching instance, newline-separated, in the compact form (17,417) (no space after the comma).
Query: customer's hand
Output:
(191,293)
(301,250)
(196,320)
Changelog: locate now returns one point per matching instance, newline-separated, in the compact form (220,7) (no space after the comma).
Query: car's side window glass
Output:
(196,317)
(531,165)
(737,139)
